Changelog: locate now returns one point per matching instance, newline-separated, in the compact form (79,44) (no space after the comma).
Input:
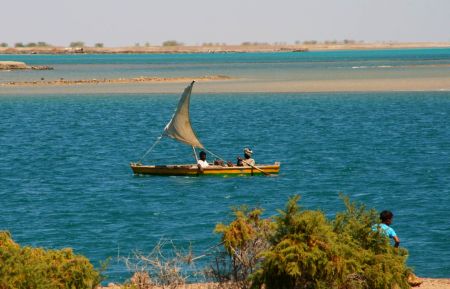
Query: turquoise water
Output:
(65,179)
(286,66)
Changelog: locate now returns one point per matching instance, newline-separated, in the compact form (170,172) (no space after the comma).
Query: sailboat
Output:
(179,128)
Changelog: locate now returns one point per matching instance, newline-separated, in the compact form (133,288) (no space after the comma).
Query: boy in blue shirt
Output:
(386,219)
(384,228)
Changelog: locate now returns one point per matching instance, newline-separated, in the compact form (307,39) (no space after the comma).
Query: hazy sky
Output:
(124,23)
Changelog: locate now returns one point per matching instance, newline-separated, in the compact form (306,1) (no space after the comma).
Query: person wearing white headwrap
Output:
(248,160)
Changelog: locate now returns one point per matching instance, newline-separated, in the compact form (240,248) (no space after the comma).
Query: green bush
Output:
(244,239)
(307,250)
(37,268)
(248,43)
(172,43)
(76,44)
(42,44)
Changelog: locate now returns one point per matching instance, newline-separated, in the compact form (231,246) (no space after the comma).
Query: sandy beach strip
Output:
(434,283)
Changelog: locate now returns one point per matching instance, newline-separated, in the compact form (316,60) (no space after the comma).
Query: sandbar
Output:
(141,79)
(226,84)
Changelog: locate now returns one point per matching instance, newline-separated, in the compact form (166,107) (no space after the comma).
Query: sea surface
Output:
(272,67)
(65,179)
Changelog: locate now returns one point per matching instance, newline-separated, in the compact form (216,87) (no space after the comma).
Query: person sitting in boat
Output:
(202,163)
(247,161)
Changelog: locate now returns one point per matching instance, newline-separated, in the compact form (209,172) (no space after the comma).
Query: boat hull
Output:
(192,170)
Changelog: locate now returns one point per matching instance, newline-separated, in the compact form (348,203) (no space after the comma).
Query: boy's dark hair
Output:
(386,215)
(202,153)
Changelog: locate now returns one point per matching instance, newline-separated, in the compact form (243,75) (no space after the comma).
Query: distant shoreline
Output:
(222,48)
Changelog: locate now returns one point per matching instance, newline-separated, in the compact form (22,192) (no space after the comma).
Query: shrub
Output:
(161,268)
(244,239)
(99,45)
(304,249)
(42,44)
(172,43)
(248,43)
(77,44)
(19,44)
(27,267)
(3,44)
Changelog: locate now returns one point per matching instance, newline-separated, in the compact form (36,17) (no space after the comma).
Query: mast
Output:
(195,154)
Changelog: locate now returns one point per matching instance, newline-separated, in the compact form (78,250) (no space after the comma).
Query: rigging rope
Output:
(159,139)
(219,157)
(150,149)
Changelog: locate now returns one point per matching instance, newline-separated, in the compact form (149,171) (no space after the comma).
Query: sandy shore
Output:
(428,283)
(223,48)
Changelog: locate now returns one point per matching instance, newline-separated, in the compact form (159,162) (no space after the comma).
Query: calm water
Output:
(288,66)
(65,179)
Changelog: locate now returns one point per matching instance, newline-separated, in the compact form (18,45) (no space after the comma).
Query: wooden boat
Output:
(179,128)
(192,170)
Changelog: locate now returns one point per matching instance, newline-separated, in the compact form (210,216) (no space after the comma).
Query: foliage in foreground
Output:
(304,249)
(27,267)
(244,239)
(161,268)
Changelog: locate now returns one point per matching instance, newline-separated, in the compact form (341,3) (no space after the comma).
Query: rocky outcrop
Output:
(10,65)
(14,65)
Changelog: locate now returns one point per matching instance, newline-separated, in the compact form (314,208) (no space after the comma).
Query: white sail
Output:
(179,127)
